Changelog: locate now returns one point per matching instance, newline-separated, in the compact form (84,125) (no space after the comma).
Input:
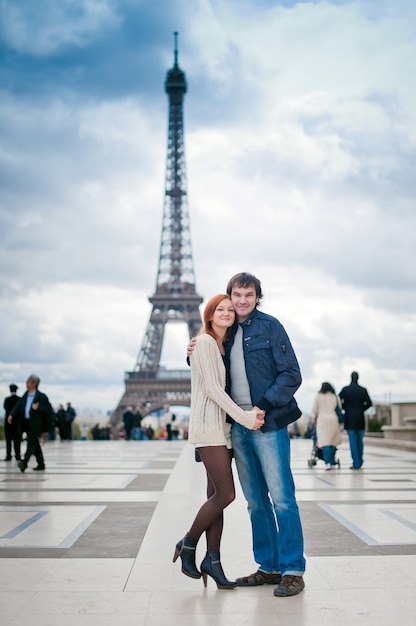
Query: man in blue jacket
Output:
(264,372)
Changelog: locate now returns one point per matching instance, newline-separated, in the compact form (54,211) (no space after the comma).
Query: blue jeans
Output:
(328,452)
(263,465)
(356,438)
(138,434)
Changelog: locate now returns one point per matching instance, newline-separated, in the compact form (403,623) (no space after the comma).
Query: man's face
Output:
(30,385)
(244,300)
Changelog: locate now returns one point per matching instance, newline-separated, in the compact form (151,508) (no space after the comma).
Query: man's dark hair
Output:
(354,377)
(244,279)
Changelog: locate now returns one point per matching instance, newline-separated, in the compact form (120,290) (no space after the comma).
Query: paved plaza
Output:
(90,540)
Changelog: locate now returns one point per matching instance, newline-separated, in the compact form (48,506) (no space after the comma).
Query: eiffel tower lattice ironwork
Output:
(149,387)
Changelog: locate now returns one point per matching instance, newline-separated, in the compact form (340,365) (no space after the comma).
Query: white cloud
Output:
(44,29)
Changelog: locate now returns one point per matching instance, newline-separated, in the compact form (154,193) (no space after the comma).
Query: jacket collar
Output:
(246,322)
(250,318)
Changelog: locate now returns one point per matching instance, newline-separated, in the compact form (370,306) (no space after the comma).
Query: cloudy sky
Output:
(300,146)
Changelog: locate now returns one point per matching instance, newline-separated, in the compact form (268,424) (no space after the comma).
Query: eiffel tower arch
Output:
(148,386)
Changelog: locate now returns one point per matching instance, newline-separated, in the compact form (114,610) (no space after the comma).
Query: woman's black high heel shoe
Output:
(186,549)
(211,566)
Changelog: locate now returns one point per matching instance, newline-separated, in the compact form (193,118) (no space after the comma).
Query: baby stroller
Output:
(316,454)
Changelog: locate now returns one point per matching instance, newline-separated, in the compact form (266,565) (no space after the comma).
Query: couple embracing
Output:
(244,374)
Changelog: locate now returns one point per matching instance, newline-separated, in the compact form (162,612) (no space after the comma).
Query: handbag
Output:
(340,414)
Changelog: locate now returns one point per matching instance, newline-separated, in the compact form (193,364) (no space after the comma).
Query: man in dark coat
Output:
(70,415)
(128,421)
(11,431)
(355,400)
(33,413)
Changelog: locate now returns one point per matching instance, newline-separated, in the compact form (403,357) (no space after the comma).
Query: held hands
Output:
(259,419)
(35,406)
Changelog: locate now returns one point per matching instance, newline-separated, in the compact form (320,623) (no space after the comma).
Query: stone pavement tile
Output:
(115,580)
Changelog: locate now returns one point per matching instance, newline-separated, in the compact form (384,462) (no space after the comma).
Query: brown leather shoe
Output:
(289,586)
(258,578)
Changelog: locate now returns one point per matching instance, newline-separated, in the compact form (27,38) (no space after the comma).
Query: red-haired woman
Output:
(209,431)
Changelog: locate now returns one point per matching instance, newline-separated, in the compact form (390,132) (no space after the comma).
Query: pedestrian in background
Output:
(70,415)
(12,430)
(328,433)
(355,400)
(137,425)
(60,417)
(128,421)
(34,414)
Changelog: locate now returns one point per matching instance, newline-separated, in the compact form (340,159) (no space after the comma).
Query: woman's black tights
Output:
(220,493)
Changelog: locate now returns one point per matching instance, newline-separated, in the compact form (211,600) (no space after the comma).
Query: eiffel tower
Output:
(149,387)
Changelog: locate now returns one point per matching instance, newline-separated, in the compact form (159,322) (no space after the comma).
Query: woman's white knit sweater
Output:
(210,404)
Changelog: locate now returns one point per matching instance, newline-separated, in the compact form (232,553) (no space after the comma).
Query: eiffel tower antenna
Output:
(149,387)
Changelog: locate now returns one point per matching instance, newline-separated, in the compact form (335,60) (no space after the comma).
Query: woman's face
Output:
(224,314)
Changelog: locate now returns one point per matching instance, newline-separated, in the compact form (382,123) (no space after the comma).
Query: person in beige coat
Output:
(328,434)
(209,432)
